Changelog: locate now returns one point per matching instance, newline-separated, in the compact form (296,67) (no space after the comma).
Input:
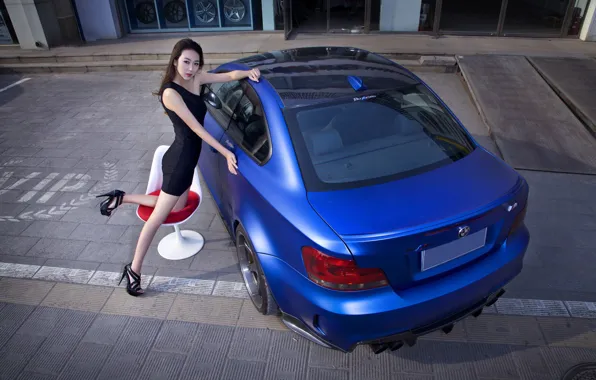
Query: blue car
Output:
(363,212)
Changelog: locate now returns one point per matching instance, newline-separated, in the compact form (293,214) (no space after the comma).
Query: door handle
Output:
(229,144)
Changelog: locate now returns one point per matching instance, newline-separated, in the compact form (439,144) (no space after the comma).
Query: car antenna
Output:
(356,83)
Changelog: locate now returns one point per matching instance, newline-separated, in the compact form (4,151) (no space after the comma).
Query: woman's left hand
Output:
(254,74)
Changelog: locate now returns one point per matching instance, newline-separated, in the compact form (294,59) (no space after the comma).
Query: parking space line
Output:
(15,84)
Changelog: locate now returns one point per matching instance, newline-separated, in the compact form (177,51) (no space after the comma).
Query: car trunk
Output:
(410,227)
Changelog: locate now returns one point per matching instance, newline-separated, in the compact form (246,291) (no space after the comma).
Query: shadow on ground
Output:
(12,93)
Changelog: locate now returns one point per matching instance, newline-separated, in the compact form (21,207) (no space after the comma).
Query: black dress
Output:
(182,157)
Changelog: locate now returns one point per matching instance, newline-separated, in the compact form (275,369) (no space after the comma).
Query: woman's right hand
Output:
(232,164)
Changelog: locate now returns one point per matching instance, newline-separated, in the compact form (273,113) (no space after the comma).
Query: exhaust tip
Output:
(378,348)
(411,342)
(495,298)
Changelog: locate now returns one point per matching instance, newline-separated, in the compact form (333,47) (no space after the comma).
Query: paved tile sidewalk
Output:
(72,331)
(67,138)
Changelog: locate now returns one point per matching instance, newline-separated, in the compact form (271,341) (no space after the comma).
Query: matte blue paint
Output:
(378,226)
(352,317)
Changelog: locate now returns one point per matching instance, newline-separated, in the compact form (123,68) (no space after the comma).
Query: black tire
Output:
(175,11)
(253,276)
(146,12)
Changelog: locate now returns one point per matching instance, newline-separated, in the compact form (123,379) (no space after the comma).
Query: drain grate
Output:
(585,371)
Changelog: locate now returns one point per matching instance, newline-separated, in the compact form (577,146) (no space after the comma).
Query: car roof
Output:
(309,75)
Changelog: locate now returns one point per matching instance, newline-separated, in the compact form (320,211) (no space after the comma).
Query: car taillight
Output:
(519,220)
(340,274)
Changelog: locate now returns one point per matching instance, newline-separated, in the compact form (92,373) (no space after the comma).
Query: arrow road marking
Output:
(26,215)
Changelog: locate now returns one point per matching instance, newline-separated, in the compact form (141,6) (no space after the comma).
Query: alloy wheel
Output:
(205,11)
(234,10)
(250,272)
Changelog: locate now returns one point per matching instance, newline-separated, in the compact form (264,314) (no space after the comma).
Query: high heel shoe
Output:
(132,287)
(104,207)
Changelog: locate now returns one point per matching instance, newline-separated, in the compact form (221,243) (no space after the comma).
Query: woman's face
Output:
(187,64)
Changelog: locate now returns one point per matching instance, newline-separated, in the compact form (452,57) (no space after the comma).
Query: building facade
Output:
(523,18)
(39,24)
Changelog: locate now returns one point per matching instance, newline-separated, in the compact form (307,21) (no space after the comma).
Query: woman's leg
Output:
(116,198)
(181,203)
(164,205)
(139,199)
(150,200)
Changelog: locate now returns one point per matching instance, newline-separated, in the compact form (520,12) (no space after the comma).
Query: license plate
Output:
(433,257)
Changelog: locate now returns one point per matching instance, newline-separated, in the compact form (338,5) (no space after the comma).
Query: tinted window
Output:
(366,140)
(229,93)
(248,127)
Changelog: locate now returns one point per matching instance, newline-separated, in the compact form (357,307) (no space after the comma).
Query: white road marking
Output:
(5,177)
(20,182)
(62,182)
(46,197)
(15,84)
(45,181)
(83,179)
(12,162)
(30,194)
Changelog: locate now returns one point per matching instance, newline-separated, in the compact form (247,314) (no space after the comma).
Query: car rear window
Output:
(371,139)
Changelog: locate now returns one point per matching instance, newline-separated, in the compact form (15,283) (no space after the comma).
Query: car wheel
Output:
(253,276)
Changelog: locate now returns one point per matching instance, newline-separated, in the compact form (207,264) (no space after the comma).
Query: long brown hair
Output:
(170,73)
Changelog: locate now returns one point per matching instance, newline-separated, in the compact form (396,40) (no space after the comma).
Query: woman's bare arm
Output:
(206,77)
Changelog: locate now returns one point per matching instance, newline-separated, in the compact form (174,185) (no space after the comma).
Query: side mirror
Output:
(212,100)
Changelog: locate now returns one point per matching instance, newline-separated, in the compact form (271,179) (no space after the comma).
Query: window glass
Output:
(372,139)
(229,93)
(248,127)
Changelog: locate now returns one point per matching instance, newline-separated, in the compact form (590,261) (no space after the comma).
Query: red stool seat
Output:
(175,216)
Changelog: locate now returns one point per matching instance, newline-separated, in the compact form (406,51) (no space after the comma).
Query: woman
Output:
(179,95)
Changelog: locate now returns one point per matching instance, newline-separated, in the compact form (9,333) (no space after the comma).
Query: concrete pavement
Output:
(574,80)
(71,331)
(534,129)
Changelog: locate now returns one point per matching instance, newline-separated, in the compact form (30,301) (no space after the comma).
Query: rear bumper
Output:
(396,341)
(384,318)
(409,337)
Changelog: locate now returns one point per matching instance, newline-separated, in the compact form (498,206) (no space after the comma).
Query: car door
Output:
(248,137)
(216,122)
